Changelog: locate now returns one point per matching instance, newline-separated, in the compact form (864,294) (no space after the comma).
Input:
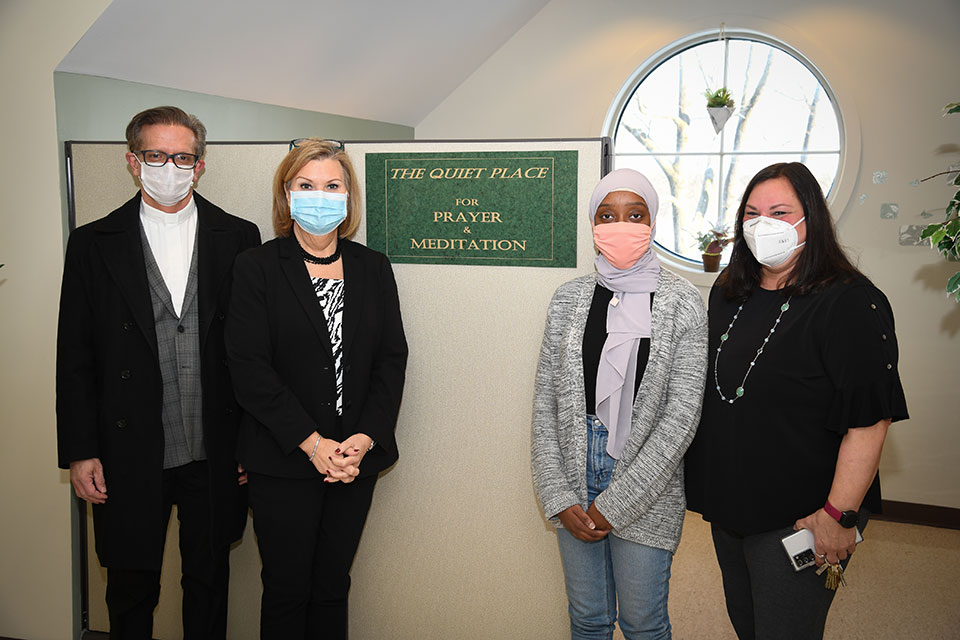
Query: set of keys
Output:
(834,575)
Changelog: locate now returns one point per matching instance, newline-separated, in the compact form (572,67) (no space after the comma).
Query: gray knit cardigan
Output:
(645,501)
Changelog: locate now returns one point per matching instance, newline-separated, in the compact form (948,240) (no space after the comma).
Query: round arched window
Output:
(783,111)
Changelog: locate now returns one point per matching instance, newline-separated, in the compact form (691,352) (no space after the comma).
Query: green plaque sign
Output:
(512,208)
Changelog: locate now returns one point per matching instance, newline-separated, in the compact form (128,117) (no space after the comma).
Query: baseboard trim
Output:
(925,514)
(93,635)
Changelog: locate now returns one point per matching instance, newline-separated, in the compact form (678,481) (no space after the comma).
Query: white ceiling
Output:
(375,59)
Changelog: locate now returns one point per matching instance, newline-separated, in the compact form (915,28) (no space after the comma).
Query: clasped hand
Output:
(589,525)
(338,461)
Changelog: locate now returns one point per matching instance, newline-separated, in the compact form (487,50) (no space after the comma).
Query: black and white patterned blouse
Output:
(330,294)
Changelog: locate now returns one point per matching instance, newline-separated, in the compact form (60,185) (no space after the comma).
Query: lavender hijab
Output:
(628,314)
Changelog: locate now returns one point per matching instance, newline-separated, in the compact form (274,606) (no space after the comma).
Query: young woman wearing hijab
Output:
(316,347)
(617,400)
(801,389)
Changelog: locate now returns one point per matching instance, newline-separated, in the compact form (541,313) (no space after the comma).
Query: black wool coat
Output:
(109,388)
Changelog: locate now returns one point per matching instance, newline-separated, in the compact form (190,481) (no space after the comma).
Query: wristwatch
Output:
(847,519)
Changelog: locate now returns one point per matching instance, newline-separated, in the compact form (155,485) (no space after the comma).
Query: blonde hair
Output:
(290,166)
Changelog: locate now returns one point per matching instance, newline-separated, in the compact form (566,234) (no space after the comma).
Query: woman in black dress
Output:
(801,388)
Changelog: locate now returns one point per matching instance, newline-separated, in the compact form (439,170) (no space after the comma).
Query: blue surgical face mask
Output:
(318,213)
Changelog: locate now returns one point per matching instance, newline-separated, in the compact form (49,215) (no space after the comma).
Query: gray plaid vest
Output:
(178,344)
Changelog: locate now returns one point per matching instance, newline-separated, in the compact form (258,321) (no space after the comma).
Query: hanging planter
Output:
(719,116)
(719,106)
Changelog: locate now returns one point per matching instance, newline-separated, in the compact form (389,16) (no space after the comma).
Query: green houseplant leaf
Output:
(953,286)
(929,230)
(719,98)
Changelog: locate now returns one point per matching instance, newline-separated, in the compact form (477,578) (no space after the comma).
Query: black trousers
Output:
(308,532)
(132,594)
(766,598)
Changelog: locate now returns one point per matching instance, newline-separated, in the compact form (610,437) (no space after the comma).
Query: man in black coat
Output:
(145,404)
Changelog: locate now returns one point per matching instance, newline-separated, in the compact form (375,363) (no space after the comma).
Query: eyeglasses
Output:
(154,158)
(338,144)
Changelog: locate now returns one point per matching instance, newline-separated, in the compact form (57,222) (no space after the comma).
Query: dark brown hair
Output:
(166,115)
(821,260)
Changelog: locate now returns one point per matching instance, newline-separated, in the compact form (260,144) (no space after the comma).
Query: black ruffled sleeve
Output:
(860,355)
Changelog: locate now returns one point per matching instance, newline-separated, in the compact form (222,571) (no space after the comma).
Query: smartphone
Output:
(799,547)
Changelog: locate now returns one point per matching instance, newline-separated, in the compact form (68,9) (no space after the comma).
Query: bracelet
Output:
(315,445)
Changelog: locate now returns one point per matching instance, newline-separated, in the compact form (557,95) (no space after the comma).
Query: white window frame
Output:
(849,127)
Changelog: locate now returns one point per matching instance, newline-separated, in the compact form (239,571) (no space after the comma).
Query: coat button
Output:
(229,411)
(889,366)
(121,423)
(221,317)
(127,326)
(125,374)
(883,336)
(873,306)
(180,328)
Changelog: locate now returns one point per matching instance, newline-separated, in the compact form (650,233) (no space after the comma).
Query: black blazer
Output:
(280,356)
(109,389)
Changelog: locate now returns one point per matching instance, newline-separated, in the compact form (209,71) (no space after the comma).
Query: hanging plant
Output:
(719,106)
(945,236)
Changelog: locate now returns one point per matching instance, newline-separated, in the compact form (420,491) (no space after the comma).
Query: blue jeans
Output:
(600,575)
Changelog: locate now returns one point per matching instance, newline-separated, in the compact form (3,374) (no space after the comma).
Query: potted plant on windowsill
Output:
(711,244)
(719,107)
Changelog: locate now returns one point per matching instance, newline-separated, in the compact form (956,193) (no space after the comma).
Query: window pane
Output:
(687,187)
(666,113)
(740,169)
(779,103)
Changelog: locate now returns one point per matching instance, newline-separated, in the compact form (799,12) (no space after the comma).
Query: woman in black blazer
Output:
(317,353)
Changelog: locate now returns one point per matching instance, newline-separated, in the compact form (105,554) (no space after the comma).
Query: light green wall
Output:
(93,108)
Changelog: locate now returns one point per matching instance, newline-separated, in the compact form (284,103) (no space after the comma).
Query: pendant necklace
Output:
(726,335)
(312,259)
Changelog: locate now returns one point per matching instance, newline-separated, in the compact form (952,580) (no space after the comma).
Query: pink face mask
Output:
(622,243)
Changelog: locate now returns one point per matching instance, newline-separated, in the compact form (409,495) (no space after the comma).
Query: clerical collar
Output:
(169,219)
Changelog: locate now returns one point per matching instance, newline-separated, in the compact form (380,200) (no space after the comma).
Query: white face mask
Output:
(168,184)
(771,241)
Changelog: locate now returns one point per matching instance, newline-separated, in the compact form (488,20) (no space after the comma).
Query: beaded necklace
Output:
(723,338)
(312,259)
